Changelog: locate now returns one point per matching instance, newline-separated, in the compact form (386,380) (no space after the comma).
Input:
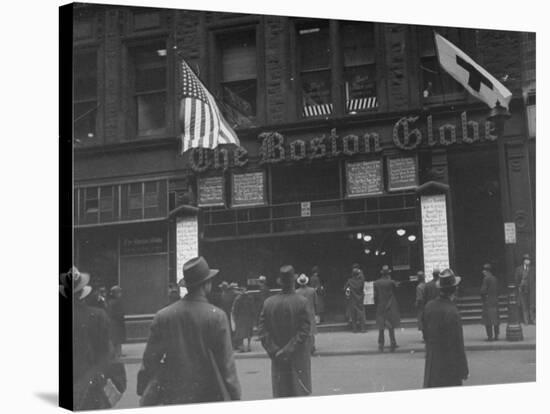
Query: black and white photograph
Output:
(260,205)
(270,206)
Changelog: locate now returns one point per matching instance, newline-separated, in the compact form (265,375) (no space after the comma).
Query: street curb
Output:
(262,355)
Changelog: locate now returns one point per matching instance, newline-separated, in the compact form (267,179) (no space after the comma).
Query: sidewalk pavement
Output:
(348,343)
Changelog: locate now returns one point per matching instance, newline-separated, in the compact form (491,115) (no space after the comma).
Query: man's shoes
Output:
(489,340)
(381,348)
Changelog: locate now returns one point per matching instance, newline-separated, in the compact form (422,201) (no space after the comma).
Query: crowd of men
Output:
(189,356)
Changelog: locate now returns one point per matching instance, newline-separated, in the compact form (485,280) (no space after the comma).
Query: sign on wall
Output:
(187,242)
(402,173)
(368,290)
(248,189)
(305,208)
(434,233)
(211,191)
(364,178)
(510,233)
(132,245)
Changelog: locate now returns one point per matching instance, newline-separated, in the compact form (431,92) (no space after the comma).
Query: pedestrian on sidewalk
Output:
(356,286)
(244,315)
(446,363)
(489,298)
(188,357)
(311,296)
(526,283)
(285,332)
(387,309)
(316,283)
(420,300)
(431,291)
(115,310)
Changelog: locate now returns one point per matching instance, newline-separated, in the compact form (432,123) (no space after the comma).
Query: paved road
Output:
(371,373)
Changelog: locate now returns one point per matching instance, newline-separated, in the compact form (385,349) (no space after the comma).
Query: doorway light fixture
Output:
(367,237)
(367,251)
(400,232)
(359,236)
(412,238)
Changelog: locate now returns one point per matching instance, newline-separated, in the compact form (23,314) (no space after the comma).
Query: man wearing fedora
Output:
(356,287)
(387,309)
(244,316)
(446,363)
(189,350)
(311,296)
(284,330)
(489,298)
(91,342)
(525,277)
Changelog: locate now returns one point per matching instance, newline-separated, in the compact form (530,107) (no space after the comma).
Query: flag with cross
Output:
(469,74)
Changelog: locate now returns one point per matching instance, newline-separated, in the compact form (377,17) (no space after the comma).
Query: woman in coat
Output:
(489,297)
(311,296)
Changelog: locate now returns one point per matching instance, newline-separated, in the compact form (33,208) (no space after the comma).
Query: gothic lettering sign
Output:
(407,134)
(248,189)
(187,242)
(434,233)
(402,173)
(364,178)
(211,191)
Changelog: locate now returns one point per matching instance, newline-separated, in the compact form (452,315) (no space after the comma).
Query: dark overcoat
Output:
(311,296)
(356,285)
(92,352)
(446,363)
(244,315)
(420,303)
(489,297)
(227,297)
(315,283)
(186,339)
(387,309)
(527,283)
(285,326)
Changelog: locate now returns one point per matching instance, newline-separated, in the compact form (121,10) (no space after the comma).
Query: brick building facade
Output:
(335,97)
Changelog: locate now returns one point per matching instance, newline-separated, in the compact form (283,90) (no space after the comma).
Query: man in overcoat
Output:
(311,296)
(489,298)
(116,312)
(446,363)
(244,315)
(356,285)
(420,300)
(92,346)
(525,277)
(284,332)
(189,352)
(387,309)
(316,283)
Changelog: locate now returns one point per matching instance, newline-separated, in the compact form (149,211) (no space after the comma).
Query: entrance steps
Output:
(470,308)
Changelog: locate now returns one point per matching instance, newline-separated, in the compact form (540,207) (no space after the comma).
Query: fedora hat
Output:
(286,272)
(385,270)
(196,272)
(262,278)
(303,279)
(447,278)
(526,256)
(74,282)
(488,267)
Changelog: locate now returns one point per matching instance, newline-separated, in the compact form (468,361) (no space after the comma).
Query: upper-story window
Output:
(358,43)
(435,82)
(85,96)
(239,77)
(150,87)
(314,68)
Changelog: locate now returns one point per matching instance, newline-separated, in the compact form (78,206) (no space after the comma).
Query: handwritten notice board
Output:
(402,173)
(364,178)
(187,242)
(211,191)
(248,189)
(434,233)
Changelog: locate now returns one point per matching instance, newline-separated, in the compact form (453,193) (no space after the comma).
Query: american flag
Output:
(202,124)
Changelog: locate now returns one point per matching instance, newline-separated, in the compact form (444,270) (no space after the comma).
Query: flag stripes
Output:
(202,124)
